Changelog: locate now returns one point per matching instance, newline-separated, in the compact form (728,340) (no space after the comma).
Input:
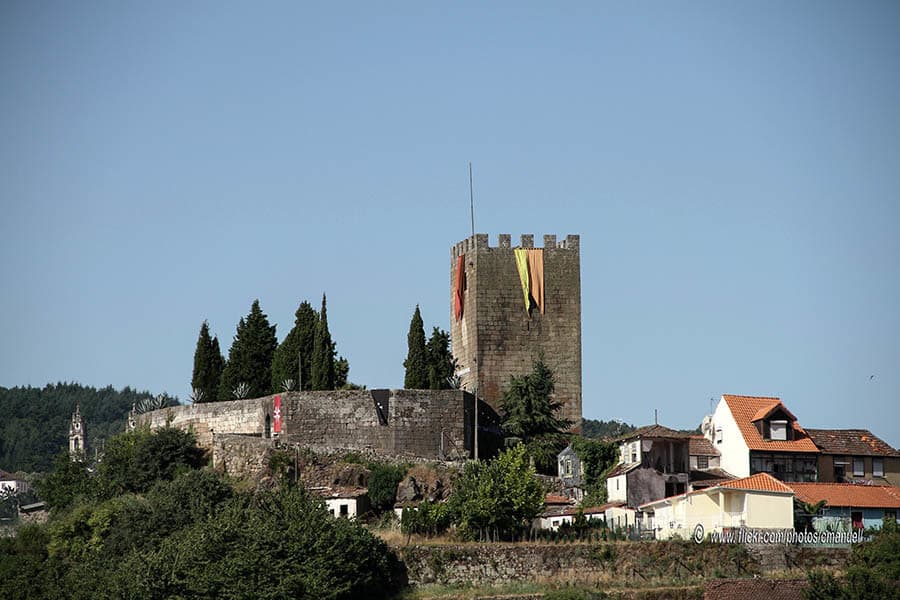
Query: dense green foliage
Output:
(250,357)
(383,481)
(501,496)
(293,358)
(34,426)
(322,368)
(416,363)
(440,360)
(591,428)
(208,366)
(189,534)
(529,413)
(873,572)
(597,458)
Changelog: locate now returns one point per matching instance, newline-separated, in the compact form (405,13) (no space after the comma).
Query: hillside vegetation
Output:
(35,421)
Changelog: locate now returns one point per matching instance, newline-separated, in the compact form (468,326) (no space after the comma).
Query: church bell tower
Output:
(77,436)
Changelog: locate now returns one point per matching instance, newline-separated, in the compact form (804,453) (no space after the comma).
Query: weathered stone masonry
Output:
(496,338)
(428,424)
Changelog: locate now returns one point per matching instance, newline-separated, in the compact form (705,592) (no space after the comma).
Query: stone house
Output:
(653,464)
(571,472)
(855,456)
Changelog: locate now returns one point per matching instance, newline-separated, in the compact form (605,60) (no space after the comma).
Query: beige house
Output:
(756,502)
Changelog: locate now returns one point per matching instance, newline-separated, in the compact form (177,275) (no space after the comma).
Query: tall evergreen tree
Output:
(250,356)
(322,370)
(296,350)
(416,362)
(441,364)
(208,365)
(528,407)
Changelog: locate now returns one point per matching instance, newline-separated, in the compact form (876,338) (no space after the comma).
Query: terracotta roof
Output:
(700,446)
(848,494)
(739,589)
(761,482)
(622,468)
(551,499)
(859,442)
(746,408)
(709,477)
(652,431)
(6,476)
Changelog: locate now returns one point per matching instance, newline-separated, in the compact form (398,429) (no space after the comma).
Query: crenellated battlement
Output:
(504,242)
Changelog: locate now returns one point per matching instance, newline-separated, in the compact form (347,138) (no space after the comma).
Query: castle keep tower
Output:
(494,336)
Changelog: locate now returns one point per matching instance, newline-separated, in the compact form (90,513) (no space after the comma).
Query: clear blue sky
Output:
(733,170)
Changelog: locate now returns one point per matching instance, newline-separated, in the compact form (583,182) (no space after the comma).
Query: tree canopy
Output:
(293,358)
(440,360)
(208,366)
(250,357)
(322,369)
(416,362)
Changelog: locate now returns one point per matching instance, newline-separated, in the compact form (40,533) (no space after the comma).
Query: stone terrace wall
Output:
(598,563)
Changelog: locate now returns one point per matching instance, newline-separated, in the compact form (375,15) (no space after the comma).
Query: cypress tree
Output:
(416,361)
(441,364)
(250,356)
(298,343)
(208,363)
(322,371)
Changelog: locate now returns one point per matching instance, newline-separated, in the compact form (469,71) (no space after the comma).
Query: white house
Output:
(653,464)
(10,485)
(756,502)
(344,502)
(756,434)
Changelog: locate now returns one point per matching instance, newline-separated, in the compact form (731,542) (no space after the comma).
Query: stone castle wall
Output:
(430,424)
(496,338)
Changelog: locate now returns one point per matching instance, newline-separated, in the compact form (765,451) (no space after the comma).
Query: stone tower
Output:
(493,334)
(77,435)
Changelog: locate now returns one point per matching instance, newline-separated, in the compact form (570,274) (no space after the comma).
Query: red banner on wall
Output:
(276,415)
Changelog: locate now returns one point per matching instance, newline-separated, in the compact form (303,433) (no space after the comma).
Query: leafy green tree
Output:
(502,495)
(322,371)
(592,428)
(135,460)
(440,360)
(208,366)
(597,457)
(529,412)
(250,356)
(69,481)
(293,358)
(383,482)
(528,407)
(416,362)
(275,544)
(873,572)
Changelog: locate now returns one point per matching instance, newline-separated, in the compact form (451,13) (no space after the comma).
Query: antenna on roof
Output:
(655,416)
(472,200)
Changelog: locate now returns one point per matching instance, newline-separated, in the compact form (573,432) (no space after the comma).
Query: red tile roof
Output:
(848,494)
(551,499)
(652,431)
(700,446)
(859,442)
(761,482)
(745,410)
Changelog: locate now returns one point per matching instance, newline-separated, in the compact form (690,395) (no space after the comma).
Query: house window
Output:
(719,435)
(344,510)
(567,467)
(890,515)
(859,468)
(877,467)
(702,462)
(778,430)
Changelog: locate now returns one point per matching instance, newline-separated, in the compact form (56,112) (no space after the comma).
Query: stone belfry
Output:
(497,330)
(77,435)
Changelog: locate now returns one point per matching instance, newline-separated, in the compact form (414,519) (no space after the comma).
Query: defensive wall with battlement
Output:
(428,424)
(496,337)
